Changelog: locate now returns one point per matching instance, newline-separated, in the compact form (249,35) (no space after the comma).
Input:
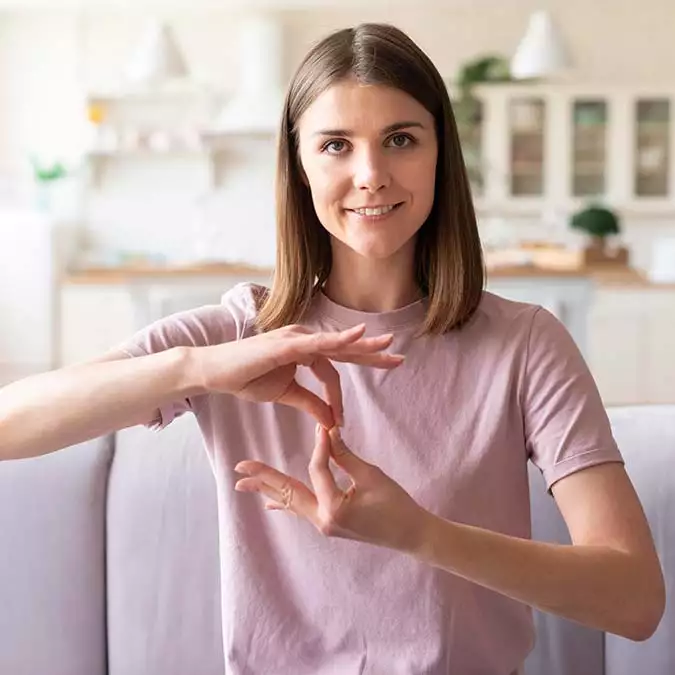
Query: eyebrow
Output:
(397,126)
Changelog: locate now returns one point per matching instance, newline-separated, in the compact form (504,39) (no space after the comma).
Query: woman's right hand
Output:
(262,367)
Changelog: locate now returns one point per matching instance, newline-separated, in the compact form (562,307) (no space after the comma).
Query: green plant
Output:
(48,174)
(484,69)
(489,68)
(596,221)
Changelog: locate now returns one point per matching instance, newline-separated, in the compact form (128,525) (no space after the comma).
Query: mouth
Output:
(375,211)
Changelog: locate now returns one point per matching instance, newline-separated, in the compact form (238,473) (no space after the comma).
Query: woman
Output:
(419,456)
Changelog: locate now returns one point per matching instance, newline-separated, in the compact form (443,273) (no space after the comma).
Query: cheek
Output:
(327,189)
(425,182)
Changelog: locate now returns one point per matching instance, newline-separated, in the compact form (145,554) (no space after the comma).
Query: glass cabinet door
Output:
(652,141)
(527,121)
(589,147)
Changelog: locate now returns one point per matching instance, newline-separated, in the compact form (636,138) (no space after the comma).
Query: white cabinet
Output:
(96,317)
(660,354)
(93,319)
(567,298)
(27,274)
(632,344)
(536,146)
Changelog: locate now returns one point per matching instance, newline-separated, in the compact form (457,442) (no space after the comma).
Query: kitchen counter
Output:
(141,273)
(602,276)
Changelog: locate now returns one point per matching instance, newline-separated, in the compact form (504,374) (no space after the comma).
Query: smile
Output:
(375,211)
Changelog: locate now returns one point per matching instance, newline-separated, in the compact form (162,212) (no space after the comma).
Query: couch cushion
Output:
(163,573)
(52,562)
(646,436)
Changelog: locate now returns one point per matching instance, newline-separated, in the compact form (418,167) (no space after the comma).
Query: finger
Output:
(366,345)
(356,467)
(289,494)
(318,342)
(326,373)
(325,488)
(385,361)
(256,484)
(286,501)
(305,400)
(264,472)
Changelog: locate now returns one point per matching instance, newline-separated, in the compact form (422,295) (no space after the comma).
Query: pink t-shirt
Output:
(454,425)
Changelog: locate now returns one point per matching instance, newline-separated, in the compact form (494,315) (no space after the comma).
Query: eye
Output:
(401,140)
(336,147)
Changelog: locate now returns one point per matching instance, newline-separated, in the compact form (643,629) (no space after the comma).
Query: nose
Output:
(371,171)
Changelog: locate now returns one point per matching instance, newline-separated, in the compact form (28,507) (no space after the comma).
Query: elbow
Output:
(644,628)
(646,612)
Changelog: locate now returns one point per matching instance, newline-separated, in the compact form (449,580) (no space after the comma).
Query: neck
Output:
(372,285)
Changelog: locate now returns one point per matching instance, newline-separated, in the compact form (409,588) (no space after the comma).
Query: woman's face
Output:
(369,156)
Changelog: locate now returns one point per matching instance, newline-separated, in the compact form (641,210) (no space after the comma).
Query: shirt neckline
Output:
(409,315)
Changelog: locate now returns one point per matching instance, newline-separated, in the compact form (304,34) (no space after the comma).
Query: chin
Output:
(375,250)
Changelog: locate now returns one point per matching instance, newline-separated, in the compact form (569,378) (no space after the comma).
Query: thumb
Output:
(345,458)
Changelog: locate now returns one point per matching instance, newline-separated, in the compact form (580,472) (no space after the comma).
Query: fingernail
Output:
(317,431)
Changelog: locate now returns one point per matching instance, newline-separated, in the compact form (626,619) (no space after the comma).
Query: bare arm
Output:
(55,409)
(610,578)
(52,410)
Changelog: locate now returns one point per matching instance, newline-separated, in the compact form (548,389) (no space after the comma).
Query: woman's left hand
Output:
(374,509)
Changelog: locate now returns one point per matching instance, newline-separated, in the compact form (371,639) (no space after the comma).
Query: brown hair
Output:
(448,257)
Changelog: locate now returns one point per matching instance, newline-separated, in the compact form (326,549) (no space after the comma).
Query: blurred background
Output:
(137,157)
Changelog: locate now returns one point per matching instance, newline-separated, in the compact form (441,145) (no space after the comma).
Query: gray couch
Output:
(109,561)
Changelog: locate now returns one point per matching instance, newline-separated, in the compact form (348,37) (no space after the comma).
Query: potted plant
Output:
(481,70)
(46,177)
(599,223)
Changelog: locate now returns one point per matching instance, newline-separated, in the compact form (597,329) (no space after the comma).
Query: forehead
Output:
(358,107)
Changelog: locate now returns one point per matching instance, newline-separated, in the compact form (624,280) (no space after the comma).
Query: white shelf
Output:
(99,159)
(184,113)
(174,153)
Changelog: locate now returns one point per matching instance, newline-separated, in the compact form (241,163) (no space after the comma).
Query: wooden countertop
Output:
(93,276)
(129,273)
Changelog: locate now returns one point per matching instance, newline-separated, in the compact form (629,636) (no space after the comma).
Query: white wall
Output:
(611,40)
(47,59)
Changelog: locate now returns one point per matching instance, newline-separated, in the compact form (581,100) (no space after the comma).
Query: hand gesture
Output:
(375,509)
(263,367)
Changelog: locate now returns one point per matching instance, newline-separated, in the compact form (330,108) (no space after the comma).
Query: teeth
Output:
(379,211)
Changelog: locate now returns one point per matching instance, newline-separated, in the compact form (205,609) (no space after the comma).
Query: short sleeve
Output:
(566,426)
(200,327)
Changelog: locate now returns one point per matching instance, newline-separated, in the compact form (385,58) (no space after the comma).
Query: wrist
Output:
(431,528)
(188,371)
(423,534)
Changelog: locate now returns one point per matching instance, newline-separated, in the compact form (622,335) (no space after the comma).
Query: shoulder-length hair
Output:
(448,258)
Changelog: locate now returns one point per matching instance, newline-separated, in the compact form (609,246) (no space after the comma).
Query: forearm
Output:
(597,586)
(52,410)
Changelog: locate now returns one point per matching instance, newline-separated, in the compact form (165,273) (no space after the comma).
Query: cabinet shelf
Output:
(151,154)
(175,123)
(99,160)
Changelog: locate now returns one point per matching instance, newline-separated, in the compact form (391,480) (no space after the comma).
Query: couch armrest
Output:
(52,562)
